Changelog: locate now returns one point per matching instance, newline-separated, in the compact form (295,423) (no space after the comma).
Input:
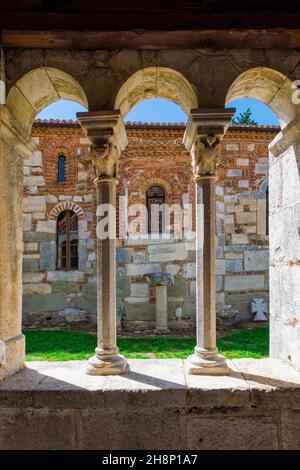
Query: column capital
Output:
(107,134)
(202,138)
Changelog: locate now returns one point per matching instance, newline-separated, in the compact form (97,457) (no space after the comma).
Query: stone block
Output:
(246,217)
(180,288)
(30,265)
(234,266)
(35,160)
(65,276)
(48,256)
(139,289)
(30,277)
(232,433)
(232,173)
(239,238)
(36,288)
(44,302)
(168,252)
(219,283)
(232,147)
(189,270)
(123,255)
(123,287)
(256,260)
(34,204)
(27,219)
(244,184)
(161,429)
(242,161)
(141,269)
(244,282)
(290,429)
(34,180)
(48,226)
(42,429)
(220,266)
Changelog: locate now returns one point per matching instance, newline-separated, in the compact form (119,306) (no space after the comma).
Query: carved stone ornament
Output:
(206,156)
(105,158)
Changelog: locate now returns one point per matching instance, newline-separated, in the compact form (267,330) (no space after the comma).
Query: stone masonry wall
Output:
(154,156)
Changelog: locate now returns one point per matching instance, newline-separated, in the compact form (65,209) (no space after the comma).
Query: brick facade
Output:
(154,156)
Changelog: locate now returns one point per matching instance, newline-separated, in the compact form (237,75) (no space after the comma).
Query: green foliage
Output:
(60,345)
(245,118)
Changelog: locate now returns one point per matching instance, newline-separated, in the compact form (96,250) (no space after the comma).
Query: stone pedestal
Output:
(14,146)
(202,138)
(161,303)
(107,134)
(160,281)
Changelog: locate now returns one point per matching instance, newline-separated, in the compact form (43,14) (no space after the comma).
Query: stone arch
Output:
(156,82)
(66,205)
(37,89)
(270,87)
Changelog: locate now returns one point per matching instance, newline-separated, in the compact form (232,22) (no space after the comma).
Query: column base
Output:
(207,364)
(107,365)
(12,354)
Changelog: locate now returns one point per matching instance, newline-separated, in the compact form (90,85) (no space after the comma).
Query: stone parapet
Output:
(155,405)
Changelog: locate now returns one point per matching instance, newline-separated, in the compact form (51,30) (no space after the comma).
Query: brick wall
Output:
(154,156)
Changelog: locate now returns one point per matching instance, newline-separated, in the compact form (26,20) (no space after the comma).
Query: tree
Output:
(245,118)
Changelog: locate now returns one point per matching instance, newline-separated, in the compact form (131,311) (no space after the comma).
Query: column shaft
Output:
(106,276)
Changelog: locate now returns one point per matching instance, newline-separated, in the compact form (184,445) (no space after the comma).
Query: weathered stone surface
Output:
(48,226)
(256,260)
(246,217)
(242,282)
(34,204)
(239,238)
(29,278)
(139,289)
(168,252)
(141,269)
(232,432)
(36,288)
(65,276)
(41,429)
(255,407)
(48,255)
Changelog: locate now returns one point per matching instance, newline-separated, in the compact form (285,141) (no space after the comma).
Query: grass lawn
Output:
(59,345)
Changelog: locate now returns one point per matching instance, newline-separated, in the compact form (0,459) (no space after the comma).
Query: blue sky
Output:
(161,110)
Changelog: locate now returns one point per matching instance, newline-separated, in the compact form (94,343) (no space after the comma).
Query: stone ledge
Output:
(155,405)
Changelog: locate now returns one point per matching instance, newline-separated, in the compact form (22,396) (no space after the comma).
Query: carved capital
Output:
(107,134)
(105,158)
(205,156)
(202,138)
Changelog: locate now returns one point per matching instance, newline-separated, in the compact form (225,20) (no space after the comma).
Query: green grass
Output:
(59,345)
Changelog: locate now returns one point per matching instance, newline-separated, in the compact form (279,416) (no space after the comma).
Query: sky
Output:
(154,110)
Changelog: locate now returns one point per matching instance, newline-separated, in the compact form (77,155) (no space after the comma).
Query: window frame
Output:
(61,157)
(148,198)
(68,257)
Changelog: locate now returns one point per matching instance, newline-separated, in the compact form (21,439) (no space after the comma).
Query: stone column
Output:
(107,134)
(14,146)
(161,301)
(284,244)
(202,138)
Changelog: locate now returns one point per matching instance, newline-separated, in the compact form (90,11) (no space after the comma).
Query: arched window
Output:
(67,240)
(61,169)
(155,196)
